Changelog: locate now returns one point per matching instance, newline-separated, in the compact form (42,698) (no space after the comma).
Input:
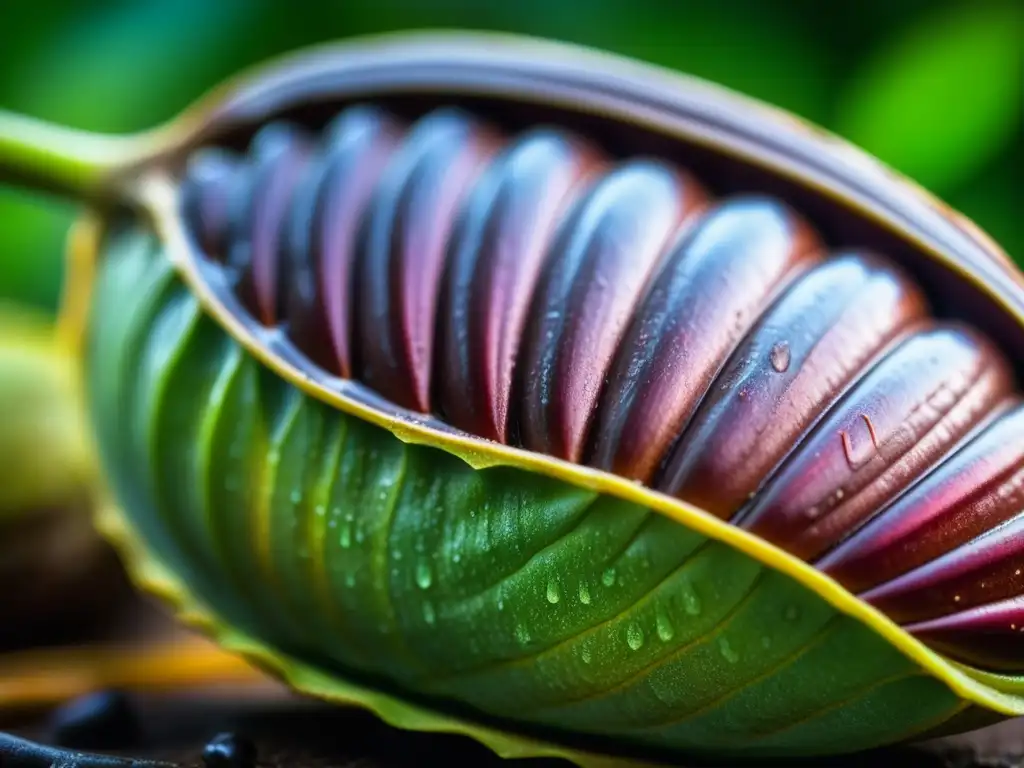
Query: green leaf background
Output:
(933,87)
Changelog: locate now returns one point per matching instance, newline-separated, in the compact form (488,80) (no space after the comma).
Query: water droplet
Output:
(554,593)
(350,579)
(396,554)
(360,534)
(664,625)
(780,356)
(584,593)
(296,496)
(766,642)
(727,651)
(346,535)
(691,603)
(320,510)
(585,654)
(522,634)
(424,577)
(608,577)
(501,604)
(456,558)
(792,613)
(634,636)
(428,612)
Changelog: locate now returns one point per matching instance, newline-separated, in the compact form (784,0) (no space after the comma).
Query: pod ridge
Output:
(533,290)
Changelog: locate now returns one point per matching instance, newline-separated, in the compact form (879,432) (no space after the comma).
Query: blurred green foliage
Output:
(943,99)
(933,87)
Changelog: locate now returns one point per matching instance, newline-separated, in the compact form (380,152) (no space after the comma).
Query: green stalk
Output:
(62,161)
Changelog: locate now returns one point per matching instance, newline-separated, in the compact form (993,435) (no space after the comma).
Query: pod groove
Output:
(534,291)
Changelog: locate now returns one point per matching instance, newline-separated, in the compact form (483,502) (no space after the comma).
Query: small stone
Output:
(229,750)
(101,720)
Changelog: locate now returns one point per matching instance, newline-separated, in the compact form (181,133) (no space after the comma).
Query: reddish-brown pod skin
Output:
(987,569)
(596,271)
(760,326)
(281,154)
(905,414)
(210,193)
(990,636)
(401,251)
(703,301)
(791,368)
(980,487)
(320,246)
(496,256)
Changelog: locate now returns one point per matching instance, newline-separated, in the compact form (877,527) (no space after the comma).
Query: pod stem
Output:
(70,163)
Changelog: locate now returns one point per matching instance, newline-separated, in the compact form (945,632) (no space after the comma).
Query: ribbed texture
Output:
(328,540)
(610,312)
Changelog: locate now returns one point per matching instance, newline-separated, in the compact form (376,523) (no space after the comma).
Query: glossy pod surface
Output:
(572,402)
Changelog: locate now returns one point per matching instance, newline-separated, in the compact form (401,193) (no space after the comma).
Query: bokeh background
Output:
(933,87)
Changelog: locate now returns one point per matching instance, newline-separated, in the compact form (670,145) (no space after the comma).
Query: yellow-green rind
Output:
(997,694)
(150,575)
(973,685)
(1000,695)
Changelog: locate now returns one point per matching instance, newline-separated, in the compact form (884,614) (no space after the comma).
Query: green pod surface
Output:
(434,414)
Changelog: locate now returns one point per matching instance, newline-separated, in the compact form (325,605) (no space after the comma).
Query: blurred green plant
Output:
(931,86)
(939,100)
(121,67)
(45,459)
